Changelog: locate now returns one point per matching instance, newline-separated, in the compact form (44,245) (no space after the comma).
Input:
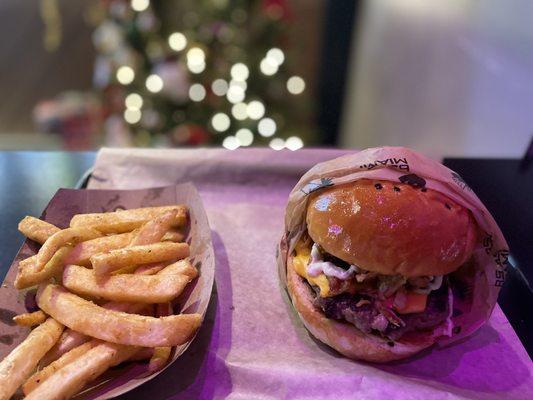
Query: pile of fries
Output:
(105,291)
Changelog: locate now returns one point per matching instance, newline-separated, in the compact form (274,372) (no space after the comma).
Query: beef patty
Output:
(365,313)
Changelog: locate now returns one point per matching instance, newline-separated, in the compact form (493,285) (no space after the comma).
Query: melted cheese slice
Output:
(300,261)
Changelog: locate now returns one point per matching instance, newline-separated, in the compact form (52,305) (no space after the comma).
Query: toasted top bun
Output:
(344,337)
(392,228)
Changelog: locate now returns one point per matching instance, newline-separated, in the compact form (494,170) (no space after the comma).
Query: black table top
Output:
(28,180)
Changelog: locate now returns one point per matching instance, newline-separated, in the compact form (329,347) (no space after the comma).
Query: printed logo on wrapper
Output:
(500,257)
(387,163)
(399,163)
(458,179)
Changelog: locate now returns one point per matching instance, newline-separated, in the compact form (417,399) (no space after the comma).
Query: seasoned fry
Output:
(161,355)
(18,365)
(133,263)
(68,340)
(83,251)
(30,319)
(145,353)
(70,236)
(124,287)
(173,235)
(159,358)
(40,376)
(154,230)
(106,263)
(138,216)
(37,229)
(181,267)
(150,269)
(70,379)
(29,275)
(114,326)
(71,339)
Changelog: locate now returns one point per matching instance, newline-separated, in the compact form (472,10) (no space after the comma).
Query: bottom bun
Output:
(343,337)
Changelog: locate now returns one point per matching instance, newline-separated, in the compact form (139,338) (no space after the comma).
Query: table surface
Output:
(28,180)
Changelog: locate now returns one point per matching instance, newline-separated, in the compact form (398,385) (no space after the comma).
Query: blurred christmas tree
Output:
(190,72)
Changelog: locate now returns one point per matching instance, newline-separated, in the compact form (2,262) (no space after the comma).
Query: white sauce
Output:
(317,266)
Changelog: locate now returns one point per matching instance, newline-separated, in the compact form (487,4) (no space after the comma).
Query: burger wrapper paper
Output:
(252,344)
(194,299)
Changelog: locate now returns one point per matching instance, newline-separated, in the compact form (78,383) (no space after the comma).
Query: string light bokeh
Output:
(198,70)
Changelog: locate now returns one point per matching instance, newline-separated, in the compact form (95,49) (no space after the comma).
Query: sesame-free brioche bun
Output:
(391,228)
(344,337)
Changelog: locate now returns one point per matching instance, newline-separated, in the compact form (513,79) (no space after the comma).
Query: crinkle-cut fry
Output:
(36,229)
(29,275)
(83,251)
(124,287)
(30,319)
(42,375)
(114,326)
(173,235)
(136,215)
(69,236)
(71,339)
(154,230)
(70,379)
(18,365)
(106,263)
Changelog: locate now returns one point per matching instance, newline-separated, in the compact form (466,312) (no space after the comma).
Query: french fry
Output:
(68,340)
(29,275)
(30,319)
(137,216)
(114,260)
(83,251)
(144,353)
(40,376)
(18,365)
(37,229)
(71,236)
(160,355)
(71,339)
(181,267)
(124,287)
(173,235)
(159,358)
(154,230)
(150,269)
(115,326)
(71,378)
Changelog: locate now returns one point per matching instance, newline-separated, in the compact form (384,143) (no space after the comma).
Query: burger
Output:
(373,274)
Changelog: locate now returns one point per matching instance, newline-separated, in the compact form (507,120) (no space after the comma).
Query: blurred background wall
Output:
(446,77)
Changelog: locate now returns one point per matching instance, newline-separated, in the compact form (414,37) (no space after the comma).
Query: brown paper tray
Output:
(66,203)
